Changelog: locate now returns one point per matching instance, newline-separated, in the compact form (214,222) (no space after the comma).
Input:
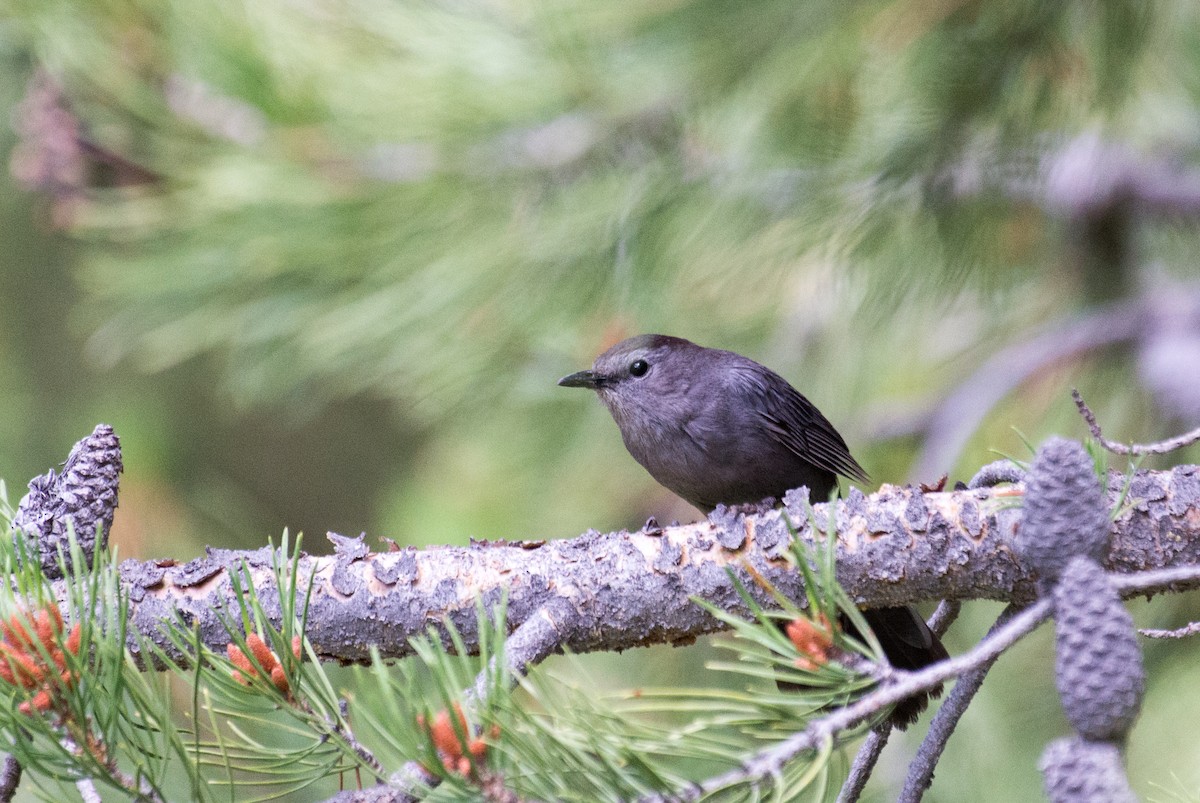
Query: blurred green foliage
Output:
(320,264)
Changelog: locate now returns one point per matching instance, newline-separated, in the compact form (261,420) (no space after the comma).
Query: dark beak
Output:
(581,379)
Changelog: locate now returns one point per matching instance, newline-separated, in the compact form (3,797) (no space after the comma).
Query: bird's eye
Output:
(638,368)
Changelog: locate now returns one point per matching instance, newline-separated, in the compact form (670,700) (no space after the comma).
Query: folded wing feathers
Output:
(808,433)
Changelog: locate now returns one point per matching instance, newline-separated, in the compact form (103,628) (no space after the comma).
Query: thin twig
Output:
(920,770)
(864,762)
(530,644)
(87,787)
(995,473)
(899,685)
(535,639)
(947,611)
(342,729)
(1182,632)
(868,754)
(1153,581)
(1159,447)
(87,790)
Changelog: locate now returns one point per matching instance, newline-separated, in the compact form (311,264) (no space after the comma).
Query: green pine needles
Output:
(543,737)
(86,700)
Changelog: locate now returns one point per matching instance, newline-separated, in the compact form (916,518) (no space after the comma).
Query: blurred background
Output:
(321,264)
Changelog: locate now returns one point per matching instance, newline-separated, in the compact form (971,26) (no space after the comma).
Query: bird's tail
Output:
(908,643)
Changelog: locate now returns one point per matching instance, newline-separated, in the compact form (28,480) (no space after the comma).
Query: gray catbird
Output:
(716,427)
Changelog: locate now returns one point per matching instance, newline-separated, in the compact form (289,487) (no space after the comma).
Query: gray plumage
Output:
(714,426)
(718,428)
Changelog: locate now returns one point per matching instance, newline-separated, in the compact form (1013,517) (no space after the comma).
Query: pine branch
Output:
(920,769)
(898,545)
(868,753)
(897,686)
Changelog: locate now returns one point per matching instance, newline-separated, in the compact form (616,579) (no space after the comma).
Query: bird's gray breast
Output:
(709,446)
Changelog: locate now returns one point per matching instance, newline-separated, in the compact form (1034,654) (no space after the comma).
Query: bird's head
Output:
(638,379)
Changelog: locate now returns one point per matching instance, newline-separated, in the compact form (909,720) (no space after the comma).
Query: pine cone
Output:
(1078,771)
(1065,510)
(1098,664)
(84,494)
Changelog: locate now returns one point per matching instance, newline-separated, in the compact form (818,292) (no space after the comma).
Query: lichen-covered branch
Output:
(619,590)
(616,590)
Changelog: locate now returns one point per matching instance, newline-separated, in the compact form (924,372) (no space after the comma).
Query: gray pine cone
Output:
(1065,510)
(1098,664)
(1077,771)
(84,493)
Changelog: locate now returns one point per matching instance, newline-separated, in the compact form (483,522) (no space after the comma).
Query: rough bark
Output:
(620,590)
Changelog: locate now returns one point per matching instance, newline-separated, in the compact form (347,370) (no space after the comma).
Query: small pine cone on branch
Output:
(1098,664)
(1065,511)
(83,495)
(1078,771)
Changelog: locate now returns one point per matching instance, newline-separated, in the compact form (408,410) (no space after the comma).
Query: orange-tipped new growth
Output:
(449,746)
(268,663)
(812,640)
(36,661)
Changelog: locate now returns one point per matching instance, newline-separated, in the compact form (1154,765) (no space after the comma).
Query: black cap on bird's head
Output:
(648,383)
(651,384)
(637,358)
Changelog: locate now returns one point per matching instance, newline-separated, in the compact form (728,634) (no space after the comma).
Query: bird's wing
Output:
(801,427)
(906,639)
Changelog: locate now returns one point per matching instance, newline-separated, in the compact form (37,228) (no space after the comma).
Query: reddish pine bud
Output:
(15,632)
(279,679)
(262,653)
(811,641)
(27,673)
(40,702)
(60,660)
(239,659)
(42,626)
(442,732)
